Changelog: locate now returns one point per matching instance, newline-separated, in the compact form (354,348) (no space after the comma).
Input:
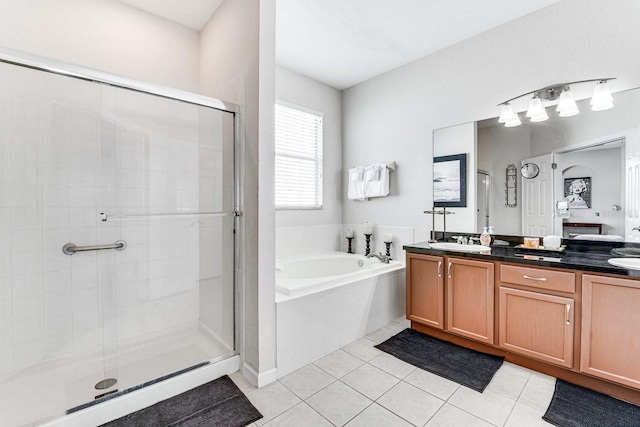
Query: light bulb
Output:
(513,122)
(536,111)
(567,105)
(506,114)
(601,99)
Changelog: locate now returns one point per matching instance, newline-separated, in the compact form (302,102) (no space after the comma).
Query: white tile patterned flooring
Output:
(359,385)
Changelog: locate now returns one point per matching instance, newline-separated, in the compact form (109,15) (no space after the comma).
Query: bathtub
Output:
(303,275)
(327,300)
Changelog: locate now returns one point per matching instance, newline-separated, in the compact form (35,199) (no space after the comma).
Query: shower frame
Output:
(112,408)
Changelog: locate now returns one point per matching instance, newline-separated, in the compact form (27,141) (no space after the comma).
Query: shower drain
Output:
(109,382)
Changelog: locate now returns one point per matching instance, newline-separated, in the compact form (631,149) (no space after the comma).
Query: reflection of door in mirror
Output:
(632,172)
(537,198)
(483,199)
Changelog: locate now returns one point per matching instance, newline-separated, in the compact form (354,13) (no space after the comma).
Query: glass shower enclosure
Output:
(116,240)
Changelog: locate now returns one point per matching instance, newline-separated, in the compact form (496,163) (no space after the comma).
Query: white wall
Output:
(106,35)
(392,116)
(237,64)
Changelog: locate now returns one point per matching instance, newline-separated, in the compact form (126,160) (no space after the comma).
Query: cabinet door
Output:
(470,299)
(425,297)
(537,325)
(610,346)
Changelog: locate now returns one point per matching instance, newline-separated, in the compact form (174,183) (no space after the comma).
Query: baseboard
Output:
(259,379)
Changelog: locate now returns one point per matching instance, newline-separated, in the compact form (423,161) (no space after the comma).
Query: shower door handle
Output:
(71,248)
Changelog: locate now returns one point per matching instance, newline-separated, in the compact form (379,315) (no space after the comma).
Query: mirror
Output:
(591,161)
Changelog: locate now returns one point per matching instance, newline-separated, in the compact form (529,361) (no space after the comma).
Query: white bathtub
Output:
(327,300)
(297,276)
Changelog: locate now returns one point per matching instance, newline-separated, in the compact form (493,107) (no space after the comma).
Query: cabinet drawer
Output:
(538,278)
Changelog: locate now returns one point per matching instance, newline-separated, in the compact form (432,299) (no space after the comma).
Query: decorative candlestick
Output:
(350,248)
(388,245)
(388,239)
(368,242)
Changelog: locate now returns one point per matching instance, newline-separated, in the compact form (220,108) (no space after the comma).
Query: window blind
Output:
(298,159)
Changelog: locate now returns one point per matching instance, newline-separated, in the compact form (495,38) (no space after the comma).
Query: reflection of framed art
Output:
(577,191)
(450,181)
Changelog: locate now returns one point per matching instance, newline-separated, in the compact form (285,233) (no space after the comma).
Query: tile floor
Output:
(359,385)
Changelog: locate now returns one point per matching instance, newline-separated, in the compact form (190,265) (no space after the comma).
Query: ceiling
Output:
(188,13)
(345,42)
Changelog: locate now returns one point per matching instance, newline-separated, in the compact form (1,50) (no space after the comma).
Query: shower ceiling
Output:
(345,42)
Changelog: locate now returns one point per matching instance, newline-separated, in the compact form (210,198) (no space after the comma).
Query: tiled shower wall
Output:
(70,150)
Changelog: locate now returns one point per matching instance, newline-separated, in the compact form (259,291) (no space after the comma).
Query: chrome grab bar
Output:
(71,248)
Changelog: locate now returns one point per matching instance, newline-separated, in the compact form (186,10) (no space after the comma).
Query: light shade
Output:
(506,114)
(601,99)
(515,121)
(536,111)
(567,105)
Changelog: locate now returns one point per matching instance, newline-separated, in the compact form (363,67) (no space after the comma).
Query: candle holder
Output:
(367,250)
(350,247)
(388,245)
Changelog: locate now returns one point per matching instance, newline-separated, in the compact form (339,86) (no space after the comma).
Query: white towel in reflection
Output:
(602,237)
(355,190)
(376,180)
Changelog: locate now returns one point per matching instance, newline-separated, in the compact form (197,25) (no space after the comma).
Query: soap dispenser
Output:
(485,238)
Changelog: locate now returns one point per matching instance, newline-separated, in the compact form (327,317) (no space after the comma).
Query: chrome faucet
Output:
(383,258)
(636,228)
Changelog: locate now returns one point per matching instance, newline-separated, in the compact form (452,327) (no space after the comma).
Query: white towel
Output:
(376,180)
(603,237)
(355,191)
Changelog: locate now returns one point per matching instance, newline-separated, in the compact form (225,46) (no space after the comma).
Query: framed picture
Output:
(450,181)
(577,191)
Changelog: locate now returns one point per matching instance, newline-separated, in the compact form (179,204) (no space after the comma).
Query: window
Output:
(298,158)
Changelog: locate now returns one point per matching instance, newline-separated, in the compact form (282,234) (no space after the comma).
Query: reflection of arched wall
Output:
(604,167)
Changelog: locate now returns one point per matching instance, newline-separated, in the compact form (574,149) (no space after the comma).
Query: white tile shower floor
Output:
(48,389)
(359,385)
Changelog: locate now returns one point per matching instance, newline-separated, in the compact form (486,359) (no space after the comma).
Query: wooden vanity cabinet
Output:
(537,325)
(470,299)
(425,289)
(610,346)
(532,322)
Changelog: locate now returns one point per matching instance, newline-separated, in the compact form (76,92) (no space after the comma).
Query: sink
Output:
(630,263)
(626,252)
(456,247)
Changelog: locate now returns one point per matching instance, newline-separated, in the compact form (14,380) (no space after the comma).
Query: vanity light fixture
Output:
(601,100)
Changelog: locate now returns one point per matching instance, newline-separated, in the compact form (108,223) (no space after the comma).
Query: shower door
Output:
(116,241)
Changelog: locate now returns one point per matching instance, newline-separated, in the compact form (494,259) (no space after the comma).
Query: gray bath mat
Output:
(462,365)
(218,403)
(575,406)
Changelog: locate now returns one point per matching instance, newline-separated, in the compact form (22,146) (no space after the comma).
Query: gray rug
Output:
(470,368)
(218,403)
(575,406)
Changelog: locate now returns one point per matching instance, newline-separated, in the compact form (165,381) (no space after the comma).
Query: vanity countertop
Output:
(574,258)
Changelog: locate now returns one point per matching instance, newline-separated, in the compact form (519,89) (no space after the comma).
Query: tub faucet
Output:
(383,258)
(636,228)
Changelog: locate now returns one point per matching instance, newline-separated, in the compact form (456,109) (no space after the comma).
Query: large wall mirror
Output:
(591,161)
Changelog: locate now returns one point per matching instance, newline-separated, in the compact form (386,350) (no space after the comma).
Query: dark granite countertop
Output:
(591,258)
